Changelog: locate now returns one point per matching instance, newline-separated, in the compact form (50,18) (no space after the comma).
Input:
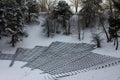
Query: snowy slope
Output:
(17,73)
(36,37)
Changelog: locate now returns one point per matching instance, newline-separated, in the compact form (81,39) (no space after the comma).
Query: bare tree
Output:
(47,5)
(42,5)
(50,4)
(109,5)
(75,4)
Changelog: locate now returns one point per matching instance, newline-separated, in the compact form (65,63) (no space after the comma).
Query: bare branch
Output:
(76,4)
(47,4)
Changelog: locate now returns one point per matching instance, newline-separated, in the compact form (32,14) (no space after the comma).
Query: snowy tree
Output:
(117,4)
(2,19)
(59,15)
(15,26)
(32,9)
(89,11)
(62,12)
(114,22)
(11,19)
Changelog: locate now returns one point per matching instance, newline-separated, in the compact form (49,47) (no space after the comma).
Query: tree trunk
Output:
(76,5)
(86,25)
(76,9)
(54,27)
(64,25)
(48,29)
(117,43)
(87,22)
(98,44)
(114,41)
(83,34)
(69,27)
(29,17)
(105,32)
(13,41)
(79,28)
(110,4)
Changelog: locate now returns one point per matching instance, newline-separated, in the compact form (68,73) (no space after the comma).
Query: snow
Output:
(111,73)
(37,38)
(108,49)
(17,73)
(13,73)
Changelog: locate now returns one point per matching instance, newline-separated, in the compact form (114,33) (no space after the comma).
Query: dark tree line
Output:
(92,9)
(91,12)
(13,17)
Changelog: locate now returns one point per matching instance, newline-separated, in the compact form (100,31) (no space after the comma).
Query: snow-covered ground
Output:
(17,73)
(37,38)
(108,49)
(112,73)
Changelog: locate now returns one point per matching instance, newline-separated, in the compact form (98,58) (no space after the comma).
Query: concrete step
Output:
(58,51)
(34,53)
(82,63)
(19,54)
